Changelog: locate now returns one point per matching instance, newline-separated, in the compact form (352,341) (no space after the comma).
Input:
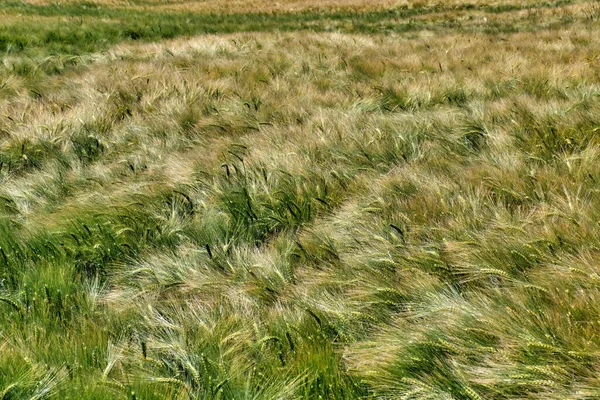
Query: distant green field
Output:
(79,28)
(334,203)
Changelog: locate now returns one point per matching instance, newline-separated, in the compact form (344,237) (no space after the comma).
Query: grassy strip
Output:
(83,28)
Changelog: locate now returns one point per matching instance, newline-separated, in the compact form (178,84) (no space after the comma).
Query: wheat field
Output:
(299,200)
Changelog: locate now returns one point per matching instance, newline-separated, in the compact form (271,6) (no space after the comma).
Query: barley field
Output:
(301,199)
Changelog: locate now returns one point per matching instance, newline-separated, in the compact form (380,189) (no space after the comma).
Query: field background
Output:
(334,199)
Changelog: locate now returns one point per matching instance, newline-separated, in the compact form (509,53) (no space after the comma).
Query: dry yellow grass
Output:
(267,6)
(225,6)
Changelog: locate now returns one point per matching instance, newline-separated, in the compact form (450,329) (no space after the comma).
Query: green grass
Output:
(395,209)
